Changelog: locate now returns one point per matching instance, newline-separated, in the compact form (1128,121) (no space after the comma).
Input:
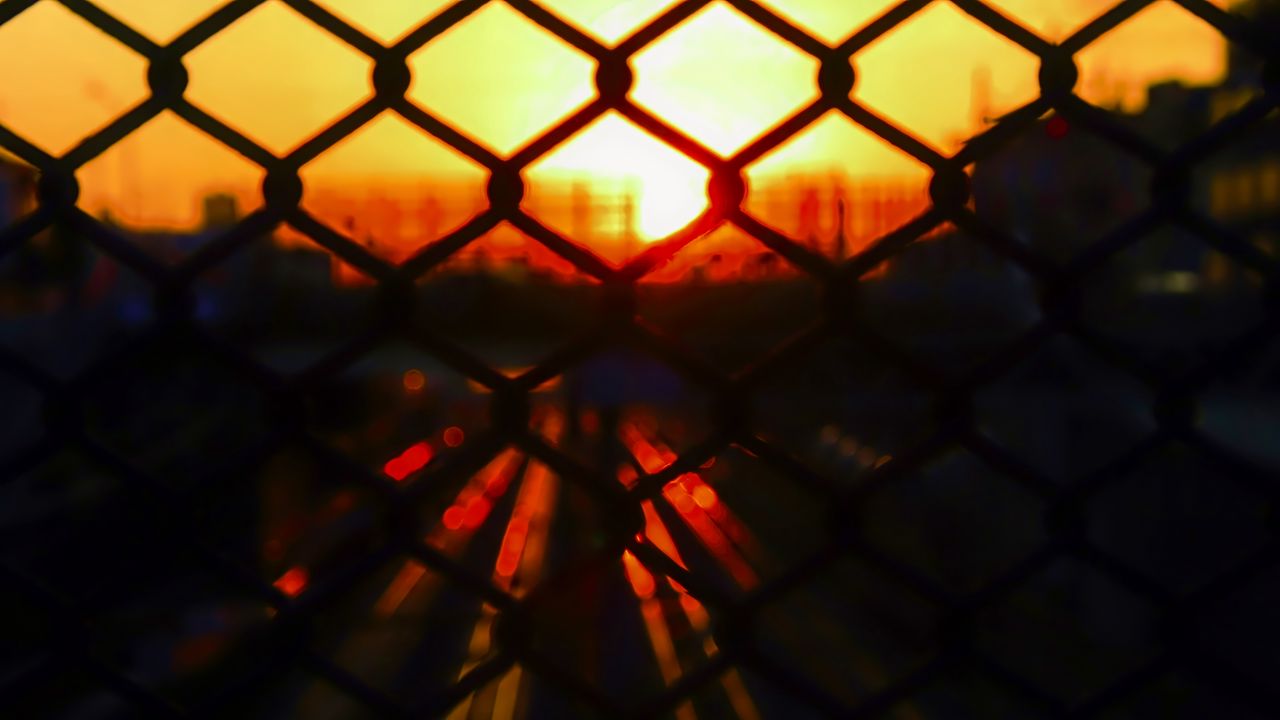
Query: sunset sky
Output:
(719,77)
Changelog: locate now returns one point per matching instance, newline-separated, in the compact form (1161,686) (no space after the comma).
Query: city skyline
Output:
(159,173)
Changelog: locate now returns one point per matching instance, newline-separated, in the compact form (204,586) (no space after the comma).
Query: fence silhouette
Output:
(55,662)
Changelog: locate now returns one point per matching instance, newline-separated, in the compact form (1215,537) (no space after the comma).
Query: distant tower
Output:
(842,239)
(980,98)
(580,201)
(1243,66)
(810,207)
(221,211)
(629,239)
(429,214)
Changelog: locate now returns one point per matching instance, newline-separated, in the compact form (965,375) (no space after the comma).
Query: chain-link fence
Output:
(866,522)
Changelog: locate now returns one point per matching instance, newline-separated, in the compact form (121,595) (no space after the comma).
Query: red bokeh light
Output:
(409,462)
(414,381)
(477,510)
(454,436)
(453,517)
(293,582)
(1057,127)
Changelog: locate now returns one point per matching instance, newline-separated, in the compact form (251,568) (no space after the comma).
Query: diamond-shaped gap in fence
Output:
(1239,409)
(957,520)
(392,188)
(1058,189)
(396,410)
(835,187)
(389,20)
(609,22)
(615,190)
(56,99)
(1070,631)
(729,298)
(402,629)
(75,304)
(520,79)
(181,629)
(620,393)
(722,79)
(169,188)
(1179,518)
(850,631)
(174,410)
(1238,628)
(284,301)
(23,421)
(949,300)
(244,76)
(842,409)
(162,22)
(89,523)
(830,22)
(1168,99)
(292,519)
(962,54)
(508,300)
(1170,300)
(1064,411)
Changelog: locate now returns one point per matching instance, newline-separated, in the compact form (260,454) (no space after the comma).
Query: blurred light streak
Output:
(652,458)
(528,503)
(664,650)
(642,582)
(710,534)
(520,557)
(448,535)
(716,527)
(645,587)
(413,459)
(293,582)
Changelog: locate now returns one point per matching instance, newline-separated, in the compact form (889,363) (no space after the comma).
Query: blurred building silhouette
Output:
(17,190)
(1058,189)
(1243,186)
(1061,188)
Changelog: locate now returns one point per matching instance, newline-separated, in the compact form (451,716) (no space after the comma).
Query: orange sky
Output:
(719,77)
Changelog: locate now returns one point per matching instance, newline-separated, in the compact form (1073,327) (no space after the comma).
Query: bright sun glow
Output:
(668,189)
(501,79)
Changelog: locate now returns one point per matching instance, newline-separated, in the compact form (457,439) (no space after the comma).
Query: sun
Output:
(616,159)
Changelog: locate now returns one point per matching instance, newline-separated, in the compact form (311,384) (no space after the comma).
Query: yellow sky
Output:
(719,77)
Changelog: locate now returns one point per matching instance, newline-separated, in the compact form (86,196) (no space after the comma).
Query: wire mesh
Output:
(57,641)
